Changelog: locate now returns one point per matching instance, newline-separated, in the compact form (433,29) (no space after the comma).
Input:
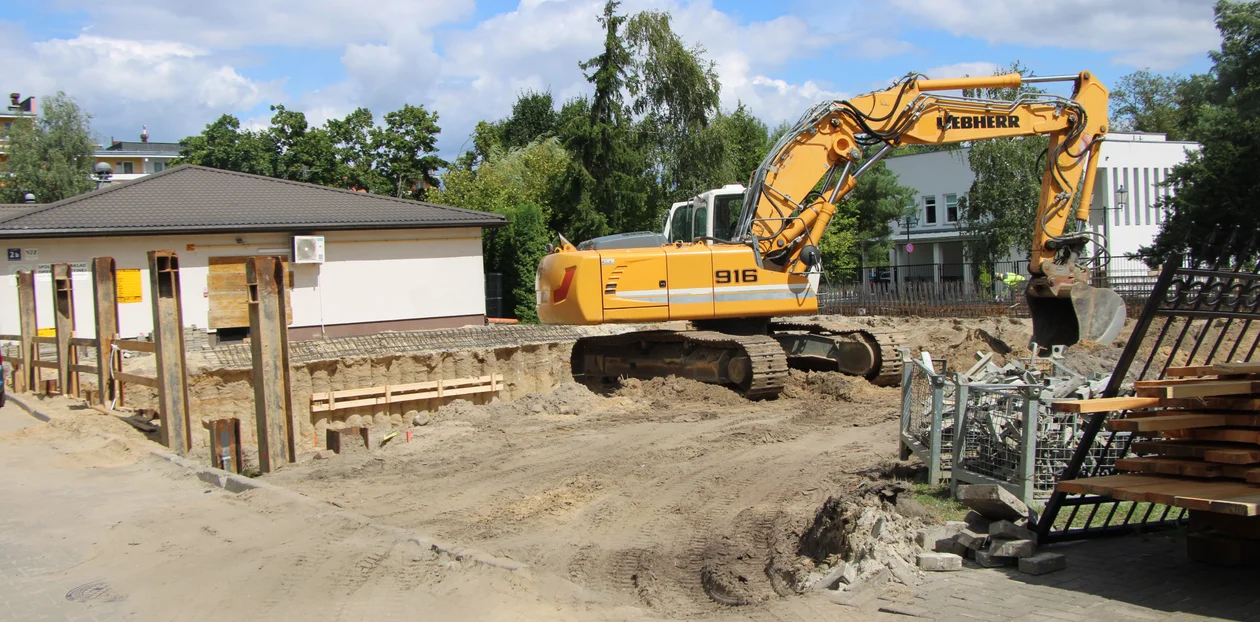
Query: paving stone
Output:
(1012,548)
(939,562)
(973,540)
(927,536)
(976,521)
(1011,531)
(950,545)
(989,560)
(1043,563)
(992,501)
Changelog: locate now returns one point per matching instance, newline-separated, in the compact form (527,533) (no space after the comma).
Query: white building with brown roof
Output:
(387,263)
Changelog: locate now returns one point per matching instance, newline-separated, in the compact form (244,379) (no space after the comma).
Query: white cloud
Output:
(235,24)
(172,87)
(960,70)
(1161,34)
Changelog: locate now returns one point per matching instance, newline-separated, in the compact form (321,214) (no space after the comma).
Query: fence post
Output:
(26,319)
(907,377)
(938,404)
(168,338)
(960,433)
(105,309)
(269,347)
(63,309)
(1028,455)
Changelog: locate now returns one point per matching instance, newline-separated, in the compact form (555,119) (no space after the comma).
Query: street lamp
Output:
(1122,197)
(907,222)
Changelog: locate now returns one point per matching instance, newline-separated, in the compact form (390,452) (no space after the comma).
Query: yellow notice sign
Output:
(128,283)
(46,332)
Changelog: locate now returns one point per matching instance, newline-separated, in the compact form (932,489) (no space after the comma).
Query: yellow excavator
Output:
(738,285)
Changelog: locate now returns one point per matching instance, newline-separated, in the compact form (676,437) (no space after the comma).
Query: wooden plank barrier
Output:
(402,393)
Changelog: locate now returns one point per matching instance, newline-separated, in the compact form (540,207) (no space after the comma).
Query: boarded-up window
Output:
(229,304)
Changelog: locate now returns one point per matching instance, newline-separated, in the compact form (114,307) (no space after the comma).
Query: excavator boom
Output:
(783,220)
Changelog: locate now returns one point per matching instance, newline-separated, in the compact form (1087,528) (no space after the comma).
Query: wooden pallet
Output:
(1196,441)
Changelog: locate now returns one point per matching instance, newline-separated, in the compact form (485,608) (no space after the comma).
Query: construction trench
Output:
(667,494)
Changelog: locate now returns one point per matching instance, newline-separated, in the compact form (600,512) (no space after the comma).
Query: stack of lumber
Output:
(1196,446)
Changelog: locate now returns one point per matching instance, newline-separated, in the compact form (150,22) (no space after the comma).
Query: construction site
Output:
(670,498)
(309,411)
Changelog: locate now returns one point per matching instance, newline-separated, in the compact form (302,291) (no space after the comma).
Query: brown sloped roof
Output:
(198,199)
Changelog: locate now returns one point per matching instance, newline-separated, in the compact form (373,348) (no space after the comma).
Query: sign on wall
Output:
(31,254)
(128,282)
(15,254)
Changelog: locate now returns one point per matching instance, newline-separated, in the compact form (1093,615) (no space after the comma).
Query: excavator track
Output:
(753,365)
(870,353)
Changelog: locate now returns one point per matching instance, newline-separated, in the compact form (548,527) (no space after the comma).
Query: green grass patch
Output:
(936,498)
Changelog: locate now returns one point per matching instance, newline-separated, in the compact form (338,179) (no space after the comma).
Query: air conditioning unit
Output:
(308,249)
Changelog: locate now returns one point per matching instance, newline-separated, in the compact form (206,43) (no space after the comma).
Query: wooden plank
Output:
(1226,497)
(83,342)
(227,292)
(10,337)
(134,379)
(47,341)
(133,420)
(1214,403)
(1224,524)
(1106,404)
(396,399)
(405,388)
(1173,382)
(134,345)
(1179,449)
(1228,435)
(1171,466)
(1202,389)
(1216,369)
(84,369)
(45,364)
(1171,422)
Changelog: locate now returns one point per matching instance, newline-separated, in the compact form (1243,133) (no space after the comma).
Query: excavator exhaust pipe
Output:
(1088,314)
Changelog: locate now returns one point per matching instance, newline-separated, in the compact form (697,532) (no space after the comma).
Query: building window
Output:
(158,167)
(951,208)
(929,210)
(126,168)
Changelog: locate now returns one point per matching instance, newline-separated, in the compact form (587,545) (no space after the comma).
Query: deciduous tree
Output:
(49,156)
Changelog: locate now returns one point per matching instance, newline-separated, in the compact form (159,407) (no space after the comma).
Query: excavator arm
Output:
(783,219)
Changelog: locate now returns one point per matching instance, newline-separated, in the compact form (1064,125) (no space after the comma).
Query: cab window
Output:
(680,226)
(700,228)
(725,214)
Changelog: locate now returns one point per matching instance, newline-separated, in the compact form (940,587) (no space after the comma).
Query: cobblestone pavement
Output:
(1134,578)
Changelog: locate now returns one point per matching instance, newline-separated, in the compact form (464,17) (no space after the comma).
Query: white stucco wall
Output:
(1138,161)
(369,276)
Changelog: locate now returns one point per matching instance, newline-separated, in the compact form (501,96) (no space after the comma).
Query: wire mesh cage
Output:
(926,431)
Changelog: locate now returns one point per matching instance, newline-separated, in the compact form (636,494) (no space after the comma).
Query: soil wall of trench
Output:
(229,393)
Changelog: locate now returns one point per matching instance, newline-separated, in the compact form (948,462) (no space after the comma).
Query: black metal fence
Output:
(1200,312)
(494,295)
(965,290)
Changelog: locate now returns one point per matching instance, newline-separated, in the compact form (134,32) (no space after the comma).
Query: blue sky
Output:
(177,65)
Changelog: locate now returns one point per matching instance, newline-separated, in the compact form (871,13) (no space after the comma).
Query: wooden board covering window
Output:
(229,306)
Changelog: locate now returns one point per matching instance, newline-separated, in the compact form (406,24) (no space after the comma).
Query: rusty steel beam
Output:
(269,347)
(105,308)
(63,318)
(225,445)
(168,340)
(29,330)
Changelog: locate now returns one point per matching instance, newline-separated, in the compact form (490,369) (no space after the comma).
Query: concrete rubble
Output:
(990,538)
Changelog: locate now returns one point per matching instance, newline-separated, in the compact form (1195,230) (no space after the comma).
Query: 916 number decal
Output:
(736,276)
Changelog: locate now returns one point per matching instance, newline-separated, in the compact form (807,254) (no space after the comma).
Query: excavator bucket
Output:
(1091,313)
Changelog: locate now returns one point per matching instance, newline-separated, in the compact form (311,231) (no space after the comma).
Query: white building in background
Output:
(1131,169)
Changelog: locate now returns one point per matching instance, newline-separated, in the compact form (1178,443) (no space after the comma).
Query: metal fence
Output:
(929,290)
(1201,311)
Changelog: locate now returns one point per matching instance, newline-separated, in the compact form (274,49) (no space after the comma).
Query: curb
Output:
(20,400)
(234,483)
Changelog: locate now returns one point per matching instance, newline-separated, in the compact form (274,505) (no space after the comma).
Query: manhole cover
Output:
(96,590)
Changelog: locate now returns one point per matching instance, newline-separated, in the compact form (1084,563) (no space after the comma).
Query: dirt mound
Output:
(671,390)
(86,437)
(569,398)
